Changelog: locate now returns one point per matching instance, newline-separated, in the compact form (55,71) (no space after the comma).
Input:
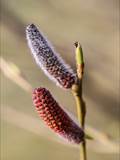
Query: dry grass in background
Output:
(95,25)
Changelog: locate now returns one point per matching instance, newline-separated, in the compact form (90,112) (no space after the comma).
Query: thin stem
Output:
(77,92)
(81,112)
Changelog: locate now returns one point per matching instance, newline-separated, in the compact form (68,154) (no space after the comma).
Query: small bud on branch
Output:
(79,60)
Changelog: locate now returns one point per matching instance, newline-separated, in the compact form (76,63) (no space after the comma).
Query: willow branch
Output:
(77,92)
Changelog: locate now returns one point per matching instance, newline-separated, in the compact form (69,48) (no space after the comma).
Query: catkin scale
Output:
(48,60)
(55,117)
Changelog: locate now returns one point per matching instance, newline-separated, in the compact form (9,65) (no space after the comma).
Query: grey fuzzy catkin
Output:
(48,60)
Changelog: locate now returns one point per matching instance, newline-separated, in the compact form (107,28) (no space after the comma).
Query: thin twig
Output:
(81,111)
(77,92)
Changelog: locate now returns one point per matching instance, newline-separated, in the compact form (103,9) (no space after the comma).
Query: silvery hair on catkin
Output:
(47,58)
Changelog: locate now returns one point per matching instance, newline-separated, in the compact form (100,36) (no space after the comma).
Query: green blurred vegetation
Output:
(95,24)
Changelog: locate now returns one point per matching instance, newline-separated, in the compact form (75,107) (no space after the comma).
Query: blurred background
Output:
(95,24)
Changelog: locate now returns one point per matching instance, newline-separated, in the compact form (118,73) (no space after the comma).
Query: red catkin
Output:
(55,117)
